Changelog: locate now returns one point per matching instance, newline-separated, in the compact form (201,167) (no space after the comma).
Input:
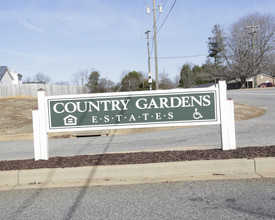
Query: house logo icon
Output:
(70,120)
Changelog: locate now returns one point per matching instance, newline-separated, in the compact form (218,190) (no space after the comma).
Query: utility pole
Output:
(148,49)
(156,53)
(149,60)
(253,31)
(155,39)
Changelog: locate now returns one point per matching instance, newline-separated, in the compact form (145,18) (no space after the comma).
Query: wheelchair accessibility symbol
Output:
(197,115)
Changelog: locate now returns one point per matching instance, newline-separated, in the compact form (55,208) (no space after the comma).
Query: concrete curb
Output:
(138,173)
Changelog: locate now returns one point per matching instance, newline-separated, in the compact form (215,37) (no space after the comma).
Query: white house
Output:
(9,77)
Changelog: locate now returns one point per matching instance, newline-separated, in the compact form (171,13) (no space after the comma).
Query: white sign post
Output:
(159,108)
(40,134)
(228,138)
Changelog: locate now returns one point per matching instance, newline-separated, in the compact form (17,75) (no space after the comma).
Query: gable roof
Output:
(3,69)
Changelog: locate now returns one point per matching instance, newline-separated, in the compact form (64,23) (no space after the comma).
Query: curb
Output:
(138,173)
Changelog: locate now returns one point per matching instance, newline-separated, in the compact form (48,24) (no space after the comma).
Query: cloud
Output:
(27,24)
(39,60)
(65,22)
(22,54)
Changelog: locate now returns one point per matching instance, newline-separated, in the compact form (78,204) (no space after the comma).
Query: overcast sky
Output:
(62,37)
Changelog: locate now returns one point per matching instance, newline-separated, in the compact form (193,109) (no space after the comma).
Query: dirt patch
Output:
(245,112)
(16,115)
(138,158)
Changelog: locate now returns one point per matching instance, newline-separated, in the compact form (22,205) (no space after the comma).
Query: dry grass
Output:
(16,114)
(245,112)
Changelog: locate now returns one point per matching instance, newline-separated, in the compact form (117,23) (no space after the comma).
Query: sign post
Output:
(177,107)
(228,138)
(40,135)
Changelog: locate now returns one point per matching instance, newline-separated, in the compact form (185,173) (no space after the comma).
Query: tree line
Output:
(131,81)
(246,50)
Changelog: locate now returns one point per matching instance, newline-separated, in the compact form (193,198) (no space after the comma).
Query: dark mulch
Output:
(138,158)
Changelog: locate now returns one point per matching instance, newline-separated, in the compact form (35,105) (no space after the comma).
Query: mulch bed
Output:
(138,158)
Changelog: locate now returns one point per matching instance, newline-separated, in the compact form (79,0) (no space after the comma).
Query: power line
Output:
(181,57)
(162,22)
(167,15)
(163,6)
(155,34)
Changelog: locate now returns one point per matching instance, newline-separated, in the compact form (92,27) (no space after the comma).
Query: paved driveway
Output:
(259,131)
(255,132)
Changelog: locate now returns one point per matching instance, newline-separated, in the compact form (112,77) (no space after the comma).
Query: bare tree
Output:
(41,77)
(63,83)
(28,80)
(80,78)
(177,80)
(106,85)
(165,82)
(246,51)
(272,66)
(250,49)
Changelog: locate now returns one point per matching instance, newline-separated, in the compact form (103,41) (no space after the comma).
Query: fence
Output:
(31,90)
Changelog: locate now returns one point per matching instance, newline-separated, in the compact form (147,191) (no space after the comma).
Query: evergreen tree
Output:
(216,43)
(187,78)
(201,74)
(93,83)
(132,81)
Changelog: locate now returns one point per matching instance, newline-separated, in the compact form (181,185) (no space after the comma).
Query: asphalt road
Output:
(227,199)
(255,132)
(259,131)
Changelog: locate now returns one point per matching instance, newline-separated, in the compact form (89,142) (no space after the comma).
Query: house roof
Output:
(206,85)
(3,70)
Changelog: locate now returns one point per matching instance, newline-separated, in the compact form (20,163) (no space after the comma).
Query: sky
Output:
(62,37)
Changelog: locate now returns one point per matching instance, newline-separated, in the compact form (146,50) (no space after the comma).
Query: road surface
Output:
(227,199)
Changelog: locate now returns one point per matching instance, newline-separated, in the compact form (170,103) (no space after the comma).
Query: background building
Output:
(9,77)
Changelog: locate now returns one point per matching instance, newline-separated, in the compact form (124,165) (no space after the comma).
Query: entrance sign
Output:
(129,110)
(178,107)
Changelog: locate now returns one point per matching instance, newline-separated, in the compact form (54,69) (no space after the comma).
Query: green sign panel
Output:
(132,109)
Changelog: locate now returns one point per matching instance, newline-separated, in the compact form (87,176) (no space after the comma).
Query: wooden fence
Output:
(31,90)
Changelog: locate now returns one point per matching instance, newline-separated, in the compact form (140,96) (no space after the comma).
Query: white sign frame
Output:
(224,112)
